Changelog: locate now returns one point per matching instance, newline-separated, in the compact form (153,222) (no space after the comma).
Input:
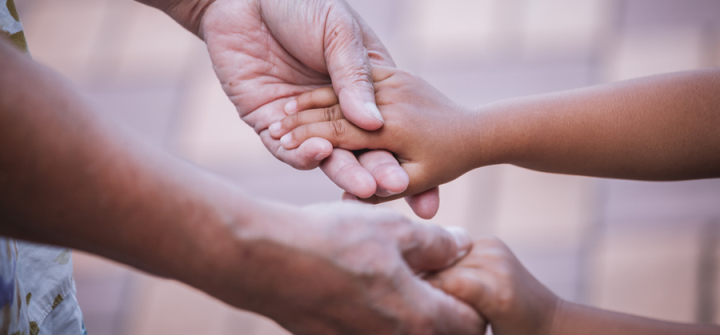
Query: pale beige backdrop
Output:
(644,248)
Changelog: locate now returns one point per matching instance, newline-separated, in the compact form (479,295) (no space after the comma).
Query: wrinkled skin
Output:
(496,284)
(267,51)
(347,268)
(424,129)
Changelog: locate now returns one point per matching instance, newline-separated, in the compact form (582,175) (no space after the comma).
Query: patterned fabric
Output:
(37,291)
(10,25)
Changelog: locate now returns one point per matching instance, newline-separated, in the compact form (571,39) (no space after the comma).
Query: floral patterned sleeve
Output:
(10,25)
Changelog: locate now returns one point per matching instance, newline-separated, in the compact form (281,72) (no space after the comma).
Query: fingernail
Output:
(321,156)
(275,127)
(462,240)
(382,192)
(349,197)
(286,139)
(291,106)
(374,111)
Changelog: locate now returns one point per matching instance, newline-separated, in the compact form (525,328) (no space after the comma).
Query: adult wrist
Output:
(237,254)
(209,241)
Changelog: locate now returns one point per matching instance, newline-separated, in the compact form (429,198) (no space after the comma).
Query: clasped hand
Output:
(266,52)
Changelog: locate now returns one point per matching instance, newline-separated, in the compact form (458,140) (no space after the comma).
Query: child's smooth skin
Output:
(430,135)
(492,280)
(656,128)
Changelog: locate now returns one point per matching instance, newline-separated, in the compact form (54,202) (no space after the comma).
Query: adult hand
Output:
(266,52)
(344,268)
(332,269)
(421,126)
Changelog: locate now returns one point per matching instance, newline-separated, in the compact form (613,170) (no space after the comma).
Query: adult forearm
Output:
(574,319)
(69,178)
(656,128)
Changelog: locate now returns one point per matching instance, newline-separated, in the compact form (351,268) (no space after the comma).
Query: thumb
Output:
(432,248)
(349,68)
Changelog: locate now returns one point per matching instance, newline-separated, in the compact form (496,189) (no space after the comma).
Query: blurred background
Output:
(644,248)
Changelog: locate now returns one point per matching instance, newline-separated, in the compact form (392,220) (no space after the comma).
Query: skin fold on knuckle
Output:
(332,113)
(339,130)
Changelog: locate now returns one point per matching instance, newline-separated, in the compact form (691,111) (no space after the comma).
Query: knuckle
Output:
(504,271)
(337,113)
(504,299)
(362,76)
(339,128)
(455,285)
(328,114)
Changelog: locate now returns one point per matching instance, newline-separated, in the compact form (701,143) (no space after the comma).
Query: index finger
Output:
(318,98)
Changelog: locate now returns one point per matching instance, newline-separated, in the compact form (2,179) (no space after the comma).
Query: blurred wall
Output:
(639,247)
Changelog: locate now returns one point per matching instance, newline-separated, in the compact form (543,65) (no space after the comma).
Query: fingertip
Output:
(322,155)
(372,109)
(361,111)
(344,170)
(286,141)
(275,129)
(391,179)
(463,242)
(425,204)
(358,182)
(316,148)
(349,197)
(291,107)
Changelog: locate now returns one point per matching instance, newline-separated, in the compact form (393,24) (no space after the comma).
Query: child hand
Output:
(430,135)
(494,282)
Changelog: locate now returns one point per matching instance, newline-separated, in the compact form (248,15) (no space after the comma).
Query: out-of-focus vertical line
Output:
(590,244)
(187,88)
(605,40)
(113,37)
(707,272)
(711,44)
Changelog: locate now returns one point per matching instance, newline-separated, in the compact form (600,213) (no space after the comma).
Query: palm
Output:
(256,71)
(265,52)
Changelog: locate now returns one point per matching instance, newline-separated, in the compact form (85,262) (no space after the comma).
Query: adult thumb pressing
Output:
(349,68)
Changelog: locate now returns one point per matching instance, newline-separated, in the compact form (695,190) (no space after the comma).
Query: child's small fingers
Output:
(463,283)
(293,121)
(318,98)
(340,133)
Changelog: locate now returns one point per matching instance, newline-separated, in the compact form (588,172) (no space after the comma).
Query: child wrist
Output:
(483,150)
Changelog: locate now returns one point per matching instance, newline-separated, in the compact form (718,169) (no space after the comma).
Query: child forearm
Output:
(573,319)
(657,128)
